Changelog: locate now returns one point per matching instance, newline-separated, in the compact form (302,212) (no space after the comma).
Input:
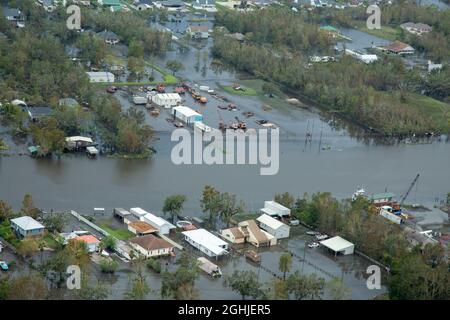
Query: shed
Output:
(138,212)
(166,100)
(206,242)
(339,245)
(141,228)
(274,209)
(209,267)
(92,151)
(159,223)
(273,226)
(121,213)
(91,242)
(186,114)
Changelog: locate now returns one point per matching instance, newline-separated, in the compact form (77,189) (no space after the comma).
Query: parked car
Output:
(313,245)
(3,266)
(321,236)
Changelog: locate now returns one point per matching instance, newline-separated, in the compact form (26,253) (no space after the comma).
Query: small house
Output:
(161,225)
(273,226)
(206,242)
(109,37)
(15,16)
(151,246)
(92,243)
(234,235)
(254,235)
(398,48)
(37,113)
(416,28)
(274,209)
(198,32)
(141,228)
(27,227)
(166,100)
(186,114)
(100,76)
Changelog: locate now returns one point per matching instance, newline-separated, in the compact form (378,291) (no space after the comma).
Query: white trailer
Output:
(139,100)
(166,100)
(390,216)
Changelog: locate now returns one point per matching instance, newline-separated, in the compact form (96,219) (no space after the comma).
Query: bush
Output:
(108,266)
(154,264)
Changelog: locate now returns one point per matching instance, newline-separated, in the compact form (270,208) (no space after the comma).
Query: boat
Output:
(222,107)
(202,127)
(253,256)
(360,192)
(209,268)
(248,114)
(321,236)
(312,233)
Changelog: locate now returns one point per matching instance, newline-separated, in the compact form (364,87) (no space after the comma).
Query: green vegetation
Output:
(50,242)
(244,216)
(245,283)
(169,79)
(174,66)
(244,91)
(108,266)
(285,264)
(121,234)
(154,264)
(386,32)
(173,205)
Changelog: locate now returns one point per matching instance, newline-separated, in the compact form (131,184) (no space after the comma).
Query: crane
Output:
(409,189)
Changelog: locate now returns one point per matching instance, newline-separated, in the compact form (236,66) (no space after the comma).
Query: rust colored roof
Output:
(142,227)
(89,239)
(397,46)
(151,242)
(198,28)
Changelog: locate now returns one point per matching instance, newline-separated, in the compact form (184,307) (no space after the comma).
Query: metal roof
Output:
(27,223)
(336,244)
(271,222)
(207,240)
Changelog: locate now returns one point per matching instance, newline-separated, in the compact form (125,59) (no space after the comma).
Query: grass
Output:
(50,241)
(121,234)
(386,32)
(247,92)
(169,79)
(244,216)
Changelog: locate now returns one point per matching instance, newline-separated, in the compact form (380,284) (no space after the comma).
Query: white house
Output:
(100,76)
(198,32)
(186,114)
(274,209)
(92,243)
(206,242)
(27,227)
(273,226)
(151,246)
(339,245)
(159,223)
(166,100)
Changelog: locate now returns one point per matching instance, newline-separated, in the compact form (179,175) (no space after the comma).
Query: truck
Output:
(386,211)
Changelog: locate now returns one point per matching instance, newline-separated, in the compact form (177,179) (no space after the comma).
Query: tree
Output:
(5,211)
(174,205)
(91,292)
(48,137)
(285,263)
(285,199)
(136,49)
(27,247)
(305,287)
(139,288)
(229,206)
(28,287)
(109,242)
(245,283)
(337,289)
(54,223)
(174,66)
(28,207)
(279,290)
(181,283)
(108,265)
(210,202)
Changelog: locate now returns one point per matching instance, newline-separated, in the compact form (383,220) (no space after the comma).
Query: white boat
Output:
(202,127)
(313,245)
(209,267)
(360,192)
(321,236)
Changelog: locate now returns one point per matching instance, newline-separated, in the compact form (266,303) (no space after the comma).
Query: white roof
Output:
(92,150)
(96,74)
(276,205)
(336,244)
(271,222)
(207,240)
(27,223)
(139,211)
(157,222)
(188,112)
(168,96)
(78,138)
(18,102)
